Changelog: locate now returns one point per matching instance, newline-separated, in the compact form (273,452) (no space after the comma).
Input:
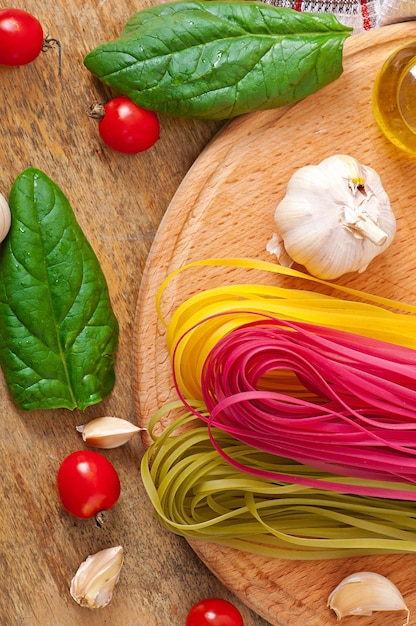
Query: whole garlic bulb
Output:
(5,217)
(335,218)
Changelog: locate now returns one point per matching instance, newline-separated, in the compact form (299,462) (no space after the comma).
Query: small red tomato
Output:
(214,612)
(87,483)
(128,128)
(21,37)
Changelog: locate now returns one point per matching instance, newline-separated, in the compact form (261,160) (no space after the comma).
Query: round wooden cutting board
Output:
(224,208)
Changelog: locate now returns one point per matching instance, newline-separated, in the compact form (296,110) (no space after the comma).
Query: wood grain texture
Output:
(119,201)
(225,207)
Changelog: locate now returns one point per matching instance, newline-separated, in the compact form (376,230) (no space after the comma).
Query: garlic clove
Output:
(364,593)
(107,432)
(95,580)
(276,246)
(5,217)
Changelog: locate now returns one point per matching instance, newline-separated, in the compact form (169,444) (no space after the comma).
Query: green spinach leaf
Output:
(58,332)
(216,60)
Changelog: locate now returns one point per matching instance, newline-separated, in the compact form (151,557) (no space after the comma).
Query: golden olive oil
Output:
(394,98)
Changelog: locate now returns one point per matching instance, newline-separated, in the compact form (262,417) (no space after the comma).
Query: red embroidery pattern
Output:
(347,9)
(366,15)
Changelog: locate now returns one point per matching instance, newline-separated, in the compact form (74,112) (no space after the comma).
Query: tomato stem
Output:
(96,111)
(100,518)
(50,42)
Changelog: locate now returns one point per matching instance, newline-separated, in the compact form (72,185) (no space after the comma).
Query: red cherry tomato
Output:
(127,127)
(21,37)
(87,483)
(214,612)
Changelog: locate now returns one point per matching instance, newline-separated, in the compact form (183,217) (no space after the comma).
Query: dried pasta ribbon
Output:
(367,315)
(196,493)
(360,418)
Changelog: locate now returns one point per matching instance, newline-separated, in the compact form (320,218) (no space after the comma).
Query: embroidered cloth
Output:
(361,15)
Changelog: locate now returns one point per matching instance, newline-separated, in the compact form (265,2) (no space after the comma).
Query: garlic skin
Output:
(5,217)
(107,432)
(95,580)
(364,593)
(335,218)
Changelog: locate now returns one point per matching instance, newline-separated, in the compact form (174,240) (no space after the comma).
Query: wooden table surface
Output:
(119,201)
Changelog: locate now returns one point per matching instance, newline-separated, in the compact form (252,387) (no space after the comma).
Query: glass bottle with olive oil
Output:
(394,98)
